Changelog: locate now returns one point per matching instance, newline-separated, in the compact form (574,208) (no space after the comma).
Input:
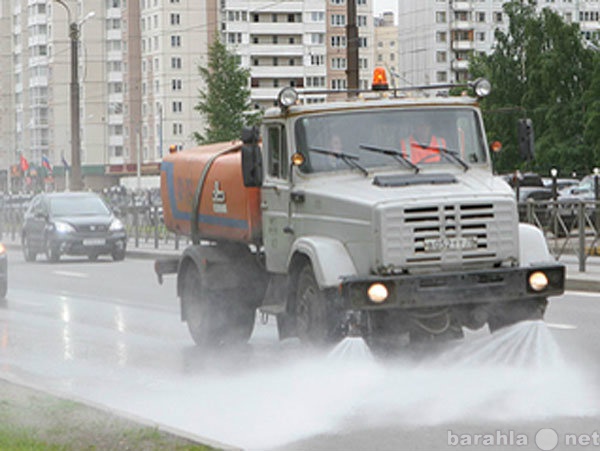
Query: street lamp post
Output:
(75,179)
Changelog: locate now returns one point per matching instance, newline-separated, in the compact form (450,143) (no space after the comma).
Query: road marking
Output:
(561,326)
(79,275)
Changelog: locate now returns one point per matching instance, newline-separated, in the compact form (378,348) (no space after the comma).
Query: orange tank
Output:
(228,210)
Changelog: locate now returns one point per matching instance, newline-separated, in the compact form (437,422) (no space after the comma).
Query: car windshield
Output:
(78,206)
(373,139)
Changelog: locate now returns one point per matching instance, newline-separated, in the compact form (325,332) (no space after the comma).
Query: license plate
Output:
(450,244)
(94,242)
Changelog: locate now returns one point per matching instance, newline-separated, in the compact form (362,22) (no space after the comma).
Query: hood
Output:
(76,221)
(406,187)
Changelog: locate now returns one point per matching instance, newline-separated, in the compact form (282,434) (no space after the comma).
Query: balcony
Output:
(460,65)
(284,28)
(279,50)
(462,25)
(462,6)
(463,45)
(265,93)
(277,71)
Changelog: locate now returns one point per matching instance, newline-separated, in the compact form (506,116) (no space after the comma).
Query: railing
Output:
(144,225)
(571,227)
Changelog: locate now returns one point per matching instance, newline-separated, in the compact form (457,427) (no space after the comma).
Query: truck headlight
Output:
(538,281)
(378,293)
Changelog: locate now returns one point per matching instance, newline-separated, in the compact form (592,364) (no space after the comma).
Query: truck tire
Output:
(215,318)
(313,310)
(516,311)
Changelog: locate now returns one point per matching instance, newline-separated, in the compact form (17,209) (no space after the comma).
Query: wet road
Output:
(107,333)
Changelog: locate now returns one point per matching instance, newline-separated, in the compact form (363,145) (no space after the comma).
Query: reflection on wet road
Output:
(97,339)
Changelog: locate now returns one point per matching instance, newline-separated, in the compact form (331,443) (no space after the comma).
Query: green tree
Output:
(539,69)
(225,103)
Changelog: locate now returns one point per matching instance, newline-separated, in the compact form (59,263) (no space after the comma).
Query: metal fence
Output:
(570,227)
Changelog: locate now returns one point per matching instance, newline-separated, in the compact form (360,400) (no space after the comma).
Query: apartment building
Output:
(386,46)
(296,43)
(174,43)
(7,150)
(437,37)
(138,81)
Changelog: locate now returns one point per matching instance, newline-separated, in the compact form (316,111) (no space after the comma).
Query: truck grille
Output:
(447,234)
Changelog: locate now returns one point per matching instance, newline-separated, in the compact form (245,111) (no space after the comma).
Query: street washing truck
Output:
(378,215)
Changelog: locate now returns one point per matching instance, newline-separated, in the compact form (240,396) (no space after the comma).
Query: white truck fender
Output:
(330,259)
(532,246)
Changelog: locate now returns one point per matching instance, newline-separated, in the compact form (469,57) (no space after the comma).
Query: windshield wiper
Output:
(393,153)
(452,155)
(350,160)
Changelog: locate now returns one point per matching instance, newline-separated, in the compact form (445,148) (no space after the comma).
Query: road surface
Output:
(106,333)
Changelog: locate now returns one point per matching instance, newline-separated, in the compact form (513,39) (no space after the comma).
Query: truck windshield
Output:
(420,136)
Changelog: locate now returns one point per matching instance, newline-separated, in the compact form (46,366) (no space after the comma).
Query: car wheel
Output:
(52,254)
(118,255)
(28,252)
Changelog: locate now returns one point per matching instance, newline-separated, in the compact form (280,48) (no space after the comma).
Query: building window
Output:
(177,107)
(441,76)
(176,84)
(177,128)
(175,19)
(440,57)
(338,63)
(481,36)
(175,62)
(176,41)
(317,60)
(317,38)
(440,36)
(338,20)
(440,16)
(498,17)
(480,17)
(338,84)
(362,43)
(338,41)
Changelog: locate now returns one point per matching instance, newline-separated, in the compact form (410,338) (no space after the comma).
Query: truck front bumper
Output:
(453,288)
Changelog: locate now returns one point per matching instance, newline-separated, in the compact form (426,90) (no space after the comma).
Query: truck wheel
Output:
(314,322)
(215,318)
(516,311)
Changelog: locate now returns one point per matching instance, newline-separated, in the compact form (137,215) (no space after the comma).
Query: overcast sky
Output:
(380,6)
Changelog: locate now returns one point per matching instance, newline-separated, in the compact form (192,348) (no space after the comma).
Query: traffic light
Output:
(526,139)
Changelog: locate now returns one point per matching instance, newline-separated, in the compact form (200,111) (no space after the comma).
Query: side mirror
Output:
(252,166)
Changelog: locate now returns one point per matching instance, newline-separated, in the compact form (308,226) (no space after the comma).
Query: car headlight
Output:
(63,227)
(116,225)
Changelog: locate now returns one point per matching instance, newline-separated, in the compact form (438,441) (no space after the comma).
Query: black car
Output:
(3,271)
(71,224)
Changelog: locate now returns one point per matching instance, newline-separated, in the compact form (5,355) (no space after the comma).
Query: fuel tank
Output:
(227,210)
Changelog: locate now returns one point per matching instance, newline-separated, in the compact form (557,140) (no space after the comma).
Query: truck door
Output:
(275,202)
